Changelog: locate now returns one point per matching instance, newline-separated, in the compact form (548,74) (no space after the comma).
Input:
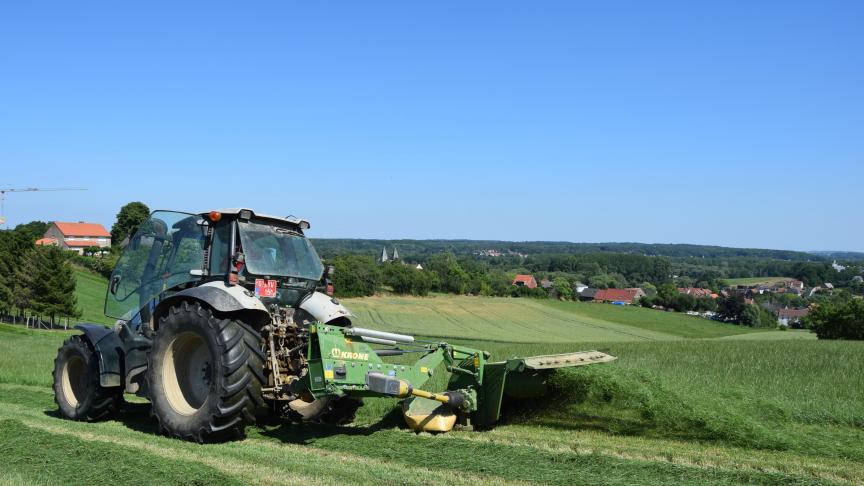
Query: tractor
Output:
(225,318)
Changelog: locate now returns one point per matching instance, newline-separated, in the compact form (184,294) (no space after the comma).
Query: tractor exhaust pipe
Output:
(371,333)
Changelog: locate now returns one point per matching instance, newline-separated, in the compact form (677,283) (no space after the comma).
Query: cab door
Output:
(166,252)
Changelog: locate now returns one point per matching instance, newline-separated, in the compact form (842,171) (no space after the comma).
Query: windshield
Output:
(278,251)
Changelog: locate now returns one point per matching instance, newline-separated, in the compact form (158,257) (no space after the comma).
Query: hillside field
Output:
(755,280)
(688,401)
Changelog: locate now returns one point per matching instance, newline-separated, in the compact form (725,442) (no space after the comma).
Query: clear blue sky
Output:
(730,123)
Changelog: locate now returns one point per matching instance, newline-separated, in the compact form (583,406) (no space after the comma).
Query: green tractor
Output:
(224,317)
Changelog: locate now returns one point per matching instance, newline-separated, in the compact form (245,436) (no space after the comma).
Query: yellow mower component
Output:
(424,415)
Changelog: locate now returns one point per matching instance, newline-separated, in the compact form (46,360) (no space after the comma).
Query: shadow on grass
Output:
(306,433)
(134,416)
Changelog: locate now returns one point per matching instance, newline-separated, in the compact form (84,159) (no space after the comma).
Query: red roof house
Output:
(525,280)
(46,242)
(619,295)
(76,236)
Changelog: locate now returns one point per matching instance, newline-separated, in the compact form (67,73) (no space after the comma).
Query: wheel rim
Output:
(74,380)
(186,373)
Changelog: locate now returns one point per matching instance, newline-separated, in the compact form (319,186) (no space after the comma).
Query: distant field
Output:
(755,280)
(530,320)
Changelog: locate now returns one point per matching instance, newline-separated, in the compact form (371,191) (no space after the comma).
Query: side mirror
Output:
(115,282)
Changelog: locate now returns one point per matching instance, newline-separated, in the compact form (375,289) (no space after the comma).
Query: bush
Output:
(355,275)
(837,319)
(103,265)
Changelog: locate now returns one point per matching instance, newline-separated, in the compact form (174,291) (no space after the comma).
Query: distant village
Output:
(786,317)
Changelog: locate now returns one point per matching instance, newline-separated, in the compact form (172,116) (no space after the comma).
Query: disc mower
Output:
(224,317)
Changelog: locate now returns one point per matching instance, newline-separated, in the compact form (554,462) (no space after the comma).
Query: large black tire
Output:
(326,410)
(77,392)
(205,374)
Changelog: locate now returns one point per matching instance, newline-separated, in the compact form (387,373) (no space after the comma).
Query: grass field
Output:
(90,290)
(531,320)
(688,402)
(755,280)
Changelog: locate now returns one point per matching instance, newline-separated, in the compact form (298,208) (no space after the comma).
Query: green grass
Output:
(530,320)
(688,401)
(755,280)
(667,412)
(90,291)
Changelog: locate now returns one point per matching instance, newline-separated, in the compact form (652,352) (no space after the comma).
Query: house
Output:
(697,292)
(76,236)
(627,296)
(578,287)
(546,283)
(526,281)
(791,317)
(587,294)
(795,284)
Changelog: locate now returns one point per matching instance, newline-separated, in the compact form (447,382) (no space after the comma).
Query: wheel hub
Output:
(187,373)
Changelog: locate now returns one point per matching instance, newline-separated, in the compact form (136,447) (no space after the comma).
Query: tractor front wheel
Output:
(77,391)
(205,374)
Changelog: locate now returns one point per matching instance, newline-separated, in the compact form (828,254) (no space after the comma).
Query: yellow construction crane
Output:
(3,192)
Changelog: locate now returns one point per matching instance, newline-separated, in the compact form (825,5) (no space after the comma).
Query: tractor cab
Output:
(268,256)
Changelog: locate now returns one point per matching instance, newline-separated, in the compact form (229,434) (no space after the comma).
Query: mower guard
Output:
(520,378)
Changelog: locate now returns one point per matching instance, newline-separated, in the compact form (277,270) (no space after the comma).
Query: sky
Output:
(728,123)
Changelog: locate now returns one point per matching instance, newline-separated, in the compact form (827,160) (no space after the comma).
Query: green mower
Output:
(225,317)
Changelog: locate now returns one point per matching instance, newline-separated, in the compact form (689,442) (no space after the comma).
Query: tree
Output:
(730,308)
(562,287)
(750,316)
(128,219)
(23,280)
(452,277)
(838,318)
(355,275)
(407,280)
(54,284)
(32,230)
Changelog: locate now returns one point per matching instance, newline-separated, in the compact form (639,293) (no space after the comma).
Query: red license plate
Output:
(265,288)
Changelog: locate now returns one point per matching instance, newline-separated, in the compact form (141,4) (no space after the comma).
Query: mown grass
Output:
(685,411)
(364,455)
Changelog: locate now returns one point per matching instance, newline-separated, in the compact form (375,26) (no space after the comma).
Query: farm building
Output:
(526,281)
(75,236)
(627,296)
(791,317)
(587,294)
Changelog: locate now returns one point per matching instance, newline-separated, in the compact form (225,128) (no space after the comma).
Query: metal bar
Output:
(364,333)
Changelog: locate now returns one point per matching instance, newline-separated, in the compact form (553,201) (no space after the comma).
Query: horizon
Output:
(733,125)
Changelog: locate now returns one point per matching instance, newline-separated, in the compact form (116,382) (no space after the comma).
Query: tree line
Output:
(35,280)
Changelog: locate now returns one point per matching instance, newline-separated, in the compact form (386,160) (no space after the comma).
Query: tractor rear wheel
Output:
(77,391)
(205,374)
(326,410)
